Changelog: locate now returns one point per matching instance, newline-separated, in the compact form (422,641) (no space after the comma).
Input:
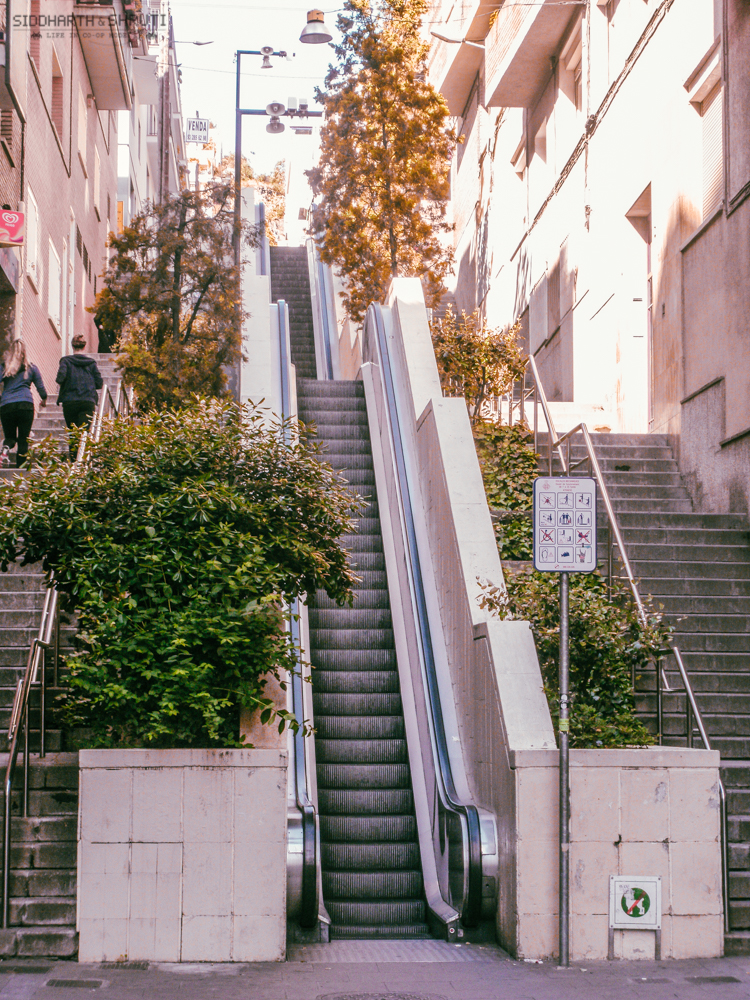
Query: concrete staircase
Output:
(43,858)
(697,567)
(290,281)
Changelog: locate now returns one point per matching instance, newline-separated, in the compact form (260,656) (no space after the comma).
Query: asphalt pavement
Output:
(428,970)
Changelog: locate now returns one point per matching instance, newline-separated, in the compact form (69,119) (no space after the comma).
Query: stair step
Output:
(39,942)
(379,885)
(360,777)
(370,857)
(360,751)
(356,704)
(43,911)
(356,682)
(386,914)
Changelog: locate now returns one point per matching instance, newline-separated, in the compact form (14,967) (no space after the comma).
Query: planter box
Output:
(182,855)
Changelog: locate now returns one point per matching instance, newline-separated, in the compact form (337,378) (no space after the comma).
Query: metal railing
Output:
(35,674)
(459,813)
(562,445)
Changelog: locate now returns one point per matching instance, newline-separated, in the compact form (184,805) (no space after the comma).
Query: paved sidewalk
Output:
(389,970)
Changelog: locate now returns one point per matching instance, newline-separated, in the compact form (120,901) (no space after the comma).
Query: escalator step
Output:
(368,829)
(370,857)
(362,638)
(356,704)
(380,886)
(378,914)
(361,932)
(364,599)
(361,751)
(350,618)
(353,659)
(363,777)
(362,727)
(367,802)
(357,681)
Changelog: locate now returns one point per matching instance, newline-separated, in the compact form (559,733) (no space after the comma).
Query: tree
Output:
(171,297)
(270,187)
(383,176)
(474,360)
(175,547)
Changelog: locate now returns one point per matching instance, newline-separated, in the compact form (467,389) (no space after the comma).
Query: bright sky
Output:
(209,72)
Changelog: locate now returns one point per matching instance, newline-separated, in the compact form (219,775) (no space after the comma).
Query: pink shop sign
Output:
(11,229)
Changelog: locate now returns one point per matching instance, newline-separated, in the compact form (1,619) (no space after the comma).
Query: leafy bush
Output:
(176,548)
(607,644)
(509,466)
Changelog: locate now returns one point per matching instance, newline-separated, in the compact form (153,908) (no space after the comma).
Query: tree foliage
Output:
(474,360)
(383,178)
(175,548)
(271,189)
(607,644)
(171,297)
(509,467)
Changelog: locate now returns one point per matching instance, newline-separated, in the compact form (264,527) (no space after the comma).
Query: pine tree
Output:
(170,298)
(382,182)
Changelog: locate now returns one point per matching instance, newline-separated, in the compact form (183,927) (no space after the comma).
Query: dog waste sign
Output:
(635,902)
(564,525)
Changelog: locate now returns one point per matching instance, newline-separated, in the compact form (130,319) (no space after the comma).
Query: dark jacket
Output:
(17,388)
(78,377)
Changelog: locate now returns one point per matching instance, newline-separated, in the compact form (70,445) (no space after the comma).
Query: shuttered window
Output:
(54,288)
(713,151)
(32,238)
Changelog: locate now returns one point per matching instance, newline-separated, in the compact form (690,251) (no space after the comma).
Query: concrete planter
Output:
(182,855)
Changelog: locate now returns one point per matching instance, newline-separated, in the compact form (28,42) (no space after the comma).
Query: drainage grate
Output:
(127,966)
(712,979)
(75,984)
(380,996)
(29,970)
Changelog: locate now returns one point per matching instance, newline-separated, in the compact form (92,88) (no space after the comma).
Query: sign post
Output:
(564,542)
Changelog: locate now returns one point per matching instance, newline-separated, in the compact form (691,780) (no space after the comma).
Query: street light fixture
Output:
(315,32)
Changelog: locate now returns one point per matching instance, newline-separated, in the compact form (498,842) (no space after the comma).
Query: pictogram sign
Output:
(564,525)
(635,902)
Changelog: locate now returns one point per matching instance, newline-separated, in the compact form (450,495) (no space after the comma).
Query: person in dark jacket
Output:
(79,379)
(16,402)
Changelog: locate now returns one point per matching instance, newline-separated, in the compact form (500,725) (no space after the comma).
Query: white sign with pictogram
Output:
(635,902)
(564,525)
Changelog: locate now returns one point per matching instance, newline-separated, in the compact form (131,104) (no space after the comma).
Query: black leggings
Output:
(77,415)
(17,419)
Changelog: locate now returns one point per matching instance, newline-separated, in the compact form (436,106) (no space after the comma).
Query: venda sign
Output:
(197,130)
(11,229)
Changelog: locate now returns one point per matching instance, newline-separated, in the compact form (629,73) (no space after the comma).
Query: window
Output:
(571,77)
(97,192)
(32,239)
(57,96)
(713,151)
(54,288)
(82,129)
(35,34)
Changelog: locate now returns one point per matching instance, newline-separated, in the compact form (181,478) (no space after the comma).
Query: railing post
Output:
(689,722)
(659,701)
(26,759)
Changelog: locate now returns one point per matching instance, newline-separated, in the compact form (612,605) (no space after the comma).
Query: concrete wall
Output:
(182,855)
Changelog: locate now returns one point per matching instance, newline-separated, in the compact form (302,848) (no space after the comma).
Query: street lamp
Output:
(315,32)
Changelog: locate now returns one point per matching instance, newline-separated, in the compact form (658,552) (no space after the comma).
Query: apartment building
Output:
(70,70)
(601,195)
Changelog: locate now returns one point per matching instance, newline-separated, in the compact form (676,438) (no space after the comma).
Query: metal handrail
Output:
(691,705)
(308,912)
(35,672)
(450,801)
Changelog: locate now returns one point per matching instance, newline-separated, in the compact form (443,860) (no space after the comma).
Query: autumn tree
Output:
(474,360)
(171,299)
(382,181)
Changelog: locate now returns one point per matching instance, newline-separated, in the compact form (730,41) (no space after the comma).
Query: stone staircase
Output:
(697,567)
(44,844)
(290,281)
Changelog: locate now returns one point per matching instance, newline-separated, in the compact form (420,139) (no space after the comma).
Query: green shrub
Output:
(607,644)
(509,467)
(176,548)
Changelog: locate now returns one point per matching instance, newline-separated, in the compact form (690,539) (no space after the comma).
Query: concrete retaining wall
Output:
(182,855)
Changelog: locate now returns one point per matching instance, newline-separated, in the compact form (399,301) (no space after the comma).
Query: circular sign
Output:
(635,902)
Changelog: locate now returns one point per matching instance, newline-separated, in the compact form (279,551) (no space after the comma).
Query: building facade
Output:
(601,196)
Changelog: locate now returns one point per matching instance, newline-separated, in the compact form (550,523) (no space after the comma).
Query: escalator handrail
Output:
(308,915)
(472,903)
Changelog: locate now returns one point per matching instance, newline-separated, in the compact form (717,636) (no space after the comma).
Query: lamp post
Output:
(315,32)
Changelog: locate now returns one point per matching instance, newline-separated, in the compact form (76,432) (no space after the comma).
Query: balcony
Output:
(99,26)
(519,47)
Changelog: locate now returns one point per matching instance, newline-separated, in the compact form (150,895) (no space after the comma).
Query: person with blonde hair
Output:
(17,375)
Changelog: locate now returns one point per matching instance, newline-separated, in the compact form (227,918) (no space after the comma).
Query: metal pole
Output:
(237,166)
(564,729)
(659,701)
